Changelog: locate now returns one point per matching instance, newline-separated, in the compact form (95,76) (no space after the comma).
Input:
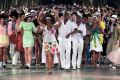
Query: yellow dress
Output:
(4,40)
(102,25)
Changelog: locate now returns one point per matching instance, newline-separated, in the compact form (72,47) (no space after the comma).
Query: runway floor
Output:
(40,73)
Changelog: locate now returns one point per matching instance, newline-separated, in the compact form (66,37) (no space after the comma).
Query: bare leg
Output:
(29,55)
(37,54)
(58,55)
(26,56)
(4,57)
(97,56)
(93,58)
(49,61)
(1,57)
(22,57)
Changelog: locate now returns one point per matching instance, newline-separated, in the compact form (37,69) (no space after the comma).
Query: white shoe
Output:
(78,67)
(74,68)
(98,65)
(110,65)
(114,67)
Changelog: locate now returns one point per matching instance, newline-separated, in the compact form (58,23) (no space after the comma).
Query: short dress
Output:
(4,40)
(50,43)
(28,29)
(96,40)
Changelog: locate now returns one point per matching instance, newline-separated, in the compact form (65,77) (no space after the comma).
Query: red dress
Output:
(13,38)
(12,32)
(19,43)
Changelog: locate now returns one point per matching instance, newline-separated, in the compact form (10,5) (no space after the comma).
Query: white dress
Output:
(96,41)
(49,37)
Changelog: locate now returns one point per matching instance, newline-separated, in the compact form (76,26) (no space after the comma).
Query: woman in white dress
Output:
(96,41)
(114,55)
(50,45)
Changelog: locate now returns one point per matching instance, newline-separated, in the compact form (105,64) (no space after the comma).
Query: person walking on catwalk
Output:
(28,40)
(64,39)
(78,43)
(19,44)
(12,36)
(96,41)
(50,43)
(4,42)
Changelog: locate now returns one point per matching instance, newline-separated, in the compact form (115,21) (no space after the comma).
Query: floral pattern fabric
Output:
(49,41)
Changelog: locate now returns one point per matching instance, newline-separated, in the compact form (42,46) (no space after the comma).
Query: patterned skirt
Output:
(51,47)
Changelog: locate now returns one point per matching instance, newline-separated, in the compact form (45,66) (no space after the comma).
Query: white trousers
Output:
(15,58)
(65,51)
(77,53)
(14,55)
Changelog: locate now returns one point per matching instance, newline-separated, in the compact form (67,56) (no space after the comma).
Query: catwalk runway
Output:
(85,73)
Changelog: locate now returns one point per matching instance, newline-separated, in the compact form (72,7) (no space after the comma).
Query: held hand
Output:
(80,31)
(68,36)
(14,32)
(38,29)
(75,29)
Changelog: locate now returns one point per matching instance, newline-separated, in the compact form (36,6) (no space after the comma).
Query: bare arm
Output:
(57,25)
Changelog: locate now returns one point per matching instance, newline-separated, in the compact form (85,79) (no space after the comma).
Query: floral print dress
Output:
(49,41)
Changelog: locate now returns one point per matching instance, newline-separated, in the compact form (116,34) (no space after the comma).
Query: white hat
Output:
(95,17)
(79,14)
(114,16)
(97,13)
(27,14)
(48,18)
(2,12)
(33,11)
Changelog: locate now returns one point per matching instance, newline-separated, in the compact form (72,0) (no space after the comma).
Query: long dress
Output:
(28,38)
(19,36)
(114,55)
(19,44)
(49,44)
(12,32)
(96,41)
(112,40)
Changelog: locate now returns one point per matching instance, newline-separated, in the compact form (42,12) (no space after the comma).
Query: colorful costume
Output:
(96,40)
(49,41)
(49,44)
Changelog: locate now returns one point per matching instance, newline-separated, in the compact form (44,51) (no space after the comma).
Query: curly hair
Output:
(50,16)
(14,13)
(2,16)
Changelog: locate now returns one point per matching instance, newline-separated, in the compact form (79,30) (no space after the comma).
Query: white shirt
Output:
(79,36)
(65,29)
